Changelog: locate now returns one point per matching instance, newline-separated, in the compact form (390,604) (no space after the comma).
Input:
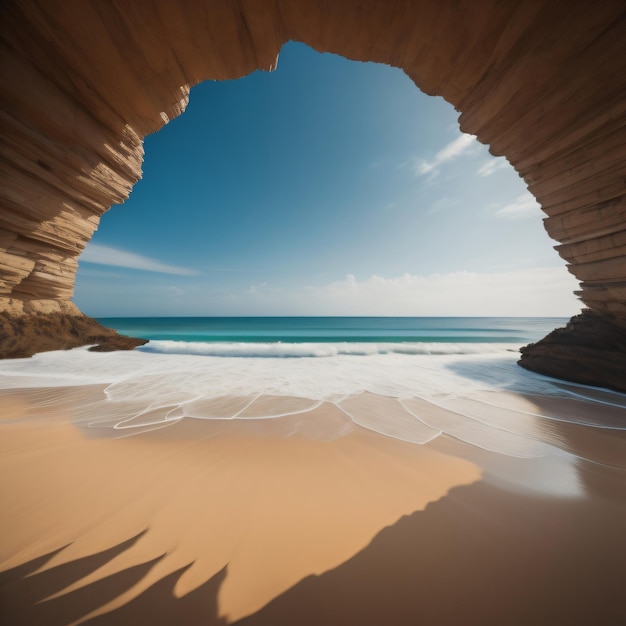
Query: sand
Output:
(307,519)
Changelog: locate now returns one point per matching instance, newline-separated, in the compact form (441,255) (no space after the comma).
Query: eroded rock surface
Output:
(590,350)
(24,335)
(83,83)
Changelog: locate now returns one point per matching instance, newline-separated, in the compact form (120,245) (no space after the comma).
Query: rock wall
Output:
(541,81)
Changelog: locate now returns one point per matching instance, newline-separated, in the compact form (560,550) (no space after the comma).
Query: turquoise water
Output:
(317,330)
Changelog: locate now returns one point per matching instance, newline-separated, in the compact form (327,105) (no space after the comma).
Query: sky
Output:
(327,187)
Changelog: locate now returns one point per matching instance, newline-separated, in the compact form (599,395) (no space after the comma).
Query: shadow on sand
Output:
(23,593)
(478,556)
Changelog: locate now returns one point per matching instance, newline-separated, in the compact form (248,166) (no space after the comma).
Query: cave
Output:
(541,82)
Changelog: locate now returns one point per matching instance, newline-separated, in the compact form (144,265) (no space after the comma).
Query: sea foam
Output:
(312,350)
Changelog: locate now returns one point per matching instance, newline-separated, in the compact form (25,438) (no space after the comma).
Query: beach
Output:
(344,344)
(437,489)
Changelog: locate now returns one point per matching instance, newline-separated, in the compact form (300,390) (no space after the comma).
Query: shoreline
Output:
(589,350)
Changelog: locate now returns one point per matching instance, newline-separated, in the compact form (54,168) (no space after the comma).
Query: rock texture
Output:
(541,81)
(23,335)
(589,349)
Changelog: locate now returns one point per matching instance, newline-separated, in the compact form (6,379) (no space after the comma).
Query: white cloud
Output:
(523,207)
(447,153)
(533,292)
(491,166)
(105,255)
(538,292)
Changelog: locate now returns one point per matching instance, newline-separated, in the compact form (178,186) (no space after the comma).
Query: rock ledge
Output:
(590,350)
(24,335)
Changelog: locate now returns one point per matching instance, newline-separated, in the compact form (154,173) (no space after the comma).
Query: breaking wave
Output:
(313,350)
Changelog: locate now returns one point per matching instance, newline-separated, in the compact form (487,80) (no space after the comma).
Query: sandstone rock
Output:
(589,350)
(24,335)
(542,82)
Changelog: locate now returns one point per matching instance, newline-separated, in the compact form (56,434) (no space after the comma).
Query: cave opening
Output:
(327,187)
(94,81)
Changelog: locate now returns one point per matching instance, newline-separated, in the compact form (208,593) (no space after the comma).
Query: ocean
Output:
(326,336)
(413,379)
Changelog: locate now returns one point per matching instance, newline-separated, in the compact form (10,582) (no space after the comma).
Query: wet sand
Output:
(305,519)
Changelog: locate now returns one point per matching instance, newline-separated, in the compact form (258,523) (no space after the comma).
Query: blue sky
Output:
(327,187)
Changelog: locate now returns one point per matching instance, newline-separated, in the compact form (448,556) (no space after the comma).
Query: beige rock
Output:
(541,82)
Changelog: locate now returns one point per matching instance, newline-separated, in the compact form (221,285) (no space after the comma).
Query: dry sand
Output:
(299,520)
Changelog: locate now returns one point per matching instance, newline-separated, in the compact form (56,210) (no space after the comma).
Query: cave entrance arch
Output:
(323,169)
(540,82)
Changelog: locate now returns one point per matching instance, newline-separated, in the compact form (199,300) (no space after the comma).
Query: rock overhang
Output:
(541,82)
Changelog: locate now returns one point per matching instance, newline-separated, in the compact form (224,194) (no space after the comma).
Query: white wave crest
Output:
(314,350)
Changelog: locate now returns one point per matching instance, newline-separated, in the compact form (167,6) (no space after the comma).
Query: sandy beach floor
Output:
(304,519)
